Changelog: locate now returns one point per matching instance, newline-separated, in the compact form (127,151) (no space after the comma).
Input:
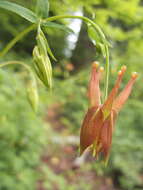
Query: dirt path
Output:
(62,157)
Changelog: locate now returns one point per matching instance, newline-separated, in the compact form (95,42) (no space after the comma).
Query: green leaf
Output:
(42,8)
(20,10)
(96,40)
(57,26)
(103,49)
(93,35)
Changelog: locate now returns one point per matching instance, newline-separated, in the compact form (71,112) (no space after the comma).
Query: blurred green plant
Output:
(32,92)
(40,18)
(22,135)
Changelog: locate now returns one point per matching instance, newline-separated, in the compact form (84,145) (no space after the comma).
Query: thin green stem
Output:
(16,62)
(107,68)
(16,39)
(79,17)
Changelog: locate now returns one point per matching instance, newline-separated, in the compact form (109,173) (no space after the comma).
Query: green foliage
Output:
(96,40)
(128,145)
(22,11)
(48,24)
(22,136)
(60,182)
(42,8)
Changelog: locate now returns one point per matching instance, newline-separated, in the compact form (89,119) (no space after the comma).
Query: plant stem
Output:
(16,39)
(16,62)
(97,28)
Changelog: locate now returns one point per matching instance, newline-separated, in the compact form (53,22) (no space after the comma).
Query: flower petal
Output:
(104,139)
(91,128)
(106,136)
(123,96)
(114,115)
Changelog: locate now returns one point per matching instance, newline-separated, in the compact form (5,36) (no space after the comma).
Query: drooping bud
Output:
(42,67)
(32,93)
(42,62)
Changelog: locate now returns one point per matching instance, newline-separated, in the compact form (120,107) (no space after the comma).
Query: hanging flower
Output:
(98,124)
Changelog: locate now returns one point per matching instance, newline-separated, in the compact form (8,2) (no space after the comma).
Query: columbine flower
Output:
(98,124)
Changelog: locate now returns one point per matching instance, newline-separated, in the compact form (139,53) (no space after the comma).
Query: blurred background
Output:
(40,151)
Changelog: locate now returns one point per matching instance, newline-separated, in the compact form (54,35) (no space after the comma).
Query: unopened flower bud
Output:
(42,67)
(32,93)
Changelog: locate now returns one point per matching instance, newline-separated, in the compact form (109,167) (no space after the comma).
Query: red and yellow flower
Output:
(98,124)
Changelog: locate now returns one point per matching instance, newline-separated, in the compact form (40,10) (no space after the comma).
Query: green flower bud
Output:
(32,93)
(42,67)
(41,45)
